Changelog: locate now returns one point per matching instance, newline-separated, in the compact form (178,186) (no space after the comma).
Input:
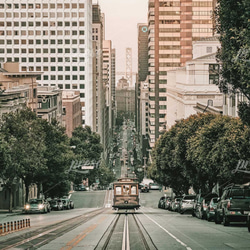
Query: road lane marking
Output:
(170,234)
(82,235)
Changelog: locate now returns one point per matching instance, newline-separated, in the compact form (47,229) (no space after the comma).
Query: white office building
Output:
(54,37)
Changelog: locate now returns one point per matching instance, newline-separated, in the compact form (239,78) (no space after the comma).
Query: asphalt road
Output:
(168,230)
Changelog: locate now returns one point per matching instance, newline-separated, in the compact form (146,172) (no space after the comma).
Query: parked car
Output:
(56,204)
(36,206)
(154,186)
(144,188)
(66,203)
(175,204)
(234,205)
(186,204)
(248,222)
(168,203)
(211,208)
(201,203)
(71,204)
(161,203)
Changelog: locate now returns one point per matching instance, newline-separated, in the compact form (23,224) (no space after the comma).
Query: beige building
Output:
(17,89)
(49,103)
(172,28)
(71,115)
(193,88)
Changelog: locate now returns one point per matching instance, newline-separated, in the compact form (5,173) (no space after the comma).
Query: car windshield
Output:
(35,201)
(189,197)
(240,194)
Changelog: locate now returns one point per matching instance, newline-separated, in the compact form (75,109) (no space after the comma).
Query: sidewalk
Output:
(5,212)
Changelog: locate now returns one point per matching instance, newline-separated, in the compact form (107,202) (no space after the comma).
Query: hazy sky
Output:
(121,19)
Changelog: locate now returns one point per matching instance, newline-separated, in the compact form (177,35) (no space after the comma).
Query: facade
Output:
(125,97)
(98,85)
(107,72)
(193,88)
(113,82)
(72,115)
(17,89)
(54,37)
(173,26)
(49,105)
(142,31)
(144,114)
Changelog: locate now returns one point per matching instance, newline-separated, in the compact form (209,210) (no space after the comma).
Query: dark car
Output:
(161,203)
(211,208)
(186,204)
(56,205)
(248,222)
(234,205)
(71,204)
(37,206)
(201,203)
(144,188)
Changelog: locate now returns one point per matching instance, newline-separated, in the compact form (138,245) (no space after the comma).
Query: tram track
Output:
(42,236)
(126,232)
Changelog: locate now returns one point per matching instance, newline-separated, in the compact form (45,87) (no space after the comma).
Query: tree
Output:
(56,178)
(105,175)
(8,167)
(87,149)
(170,166)
(233,21)
(27,153)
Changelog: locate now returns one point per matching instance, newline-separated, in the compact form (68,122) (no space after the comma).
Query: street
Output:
(161,228)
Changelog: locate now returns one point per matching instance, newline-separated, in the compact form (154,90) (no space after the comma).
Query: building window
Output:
(82,86)
(67,86)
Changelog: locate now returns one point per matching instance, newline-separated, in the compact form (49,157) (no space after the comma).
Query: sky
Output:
(121,19)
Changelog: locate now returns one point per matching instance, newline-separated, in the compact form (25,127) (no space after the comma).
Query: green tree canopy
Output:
(233,22)
(199,151)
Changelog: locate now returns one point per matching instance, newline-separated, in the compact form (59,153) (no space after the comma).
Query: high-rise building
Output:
(108,80)
(98,84)
(141,120)
(54,37)
(173,26)
(113,81)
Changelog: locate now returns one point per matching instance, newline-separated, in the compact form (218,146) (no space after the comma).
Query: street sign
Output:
(87,167)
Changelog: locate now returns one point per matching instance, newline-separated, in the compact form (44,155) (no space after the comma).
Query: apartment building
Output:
(54,37)
(172,27)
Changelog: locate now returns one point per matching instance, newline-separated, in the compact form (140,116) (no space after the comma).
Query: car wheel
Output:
(216,218)
(193,214)
(248,225)
(225,221)
(208,217)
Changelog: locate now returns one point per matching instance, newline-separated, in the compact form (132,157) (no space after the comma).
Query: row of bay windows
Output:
(42,6)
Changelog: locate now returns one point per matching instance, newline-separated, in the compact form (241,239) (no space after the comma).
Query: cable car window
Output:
(133,190)
(118,190)
(126,189)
